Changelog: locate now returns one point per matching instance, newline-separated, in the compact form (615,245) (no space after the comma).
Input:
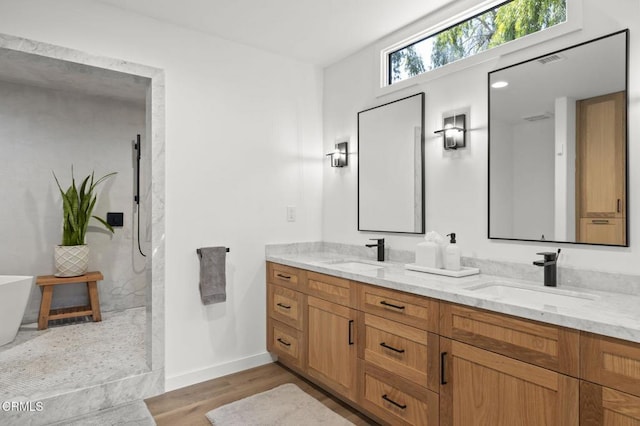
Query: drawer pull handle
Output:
(391,305)
(384,345)
(600,221)
(401,406)
(284,342)
(282,305)
(351,332)
(443,357)
(619,206)
(286,277)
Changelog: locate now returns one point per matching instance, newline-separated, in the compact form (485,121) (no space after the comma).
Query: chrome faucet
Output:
(549,263)
(380,246)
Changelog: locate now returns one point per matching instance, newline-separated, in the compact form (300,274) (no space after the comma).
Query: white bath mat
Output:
(284,405)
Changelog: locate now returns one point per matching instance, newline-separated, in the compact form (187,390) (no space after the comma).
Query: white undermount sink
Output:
(527,296)
(353,266)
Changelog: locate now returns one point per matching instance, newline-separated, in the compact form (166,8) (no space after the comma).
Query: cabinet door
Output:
(332,354)
(479,387)
(601,406)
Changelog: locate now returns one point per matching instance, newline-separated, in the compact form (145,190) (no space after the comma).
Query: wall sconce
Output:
(340,157)
(453,132)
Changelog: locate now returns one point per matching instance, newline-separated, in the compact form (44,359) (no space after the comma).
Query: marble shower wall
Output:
(44,130)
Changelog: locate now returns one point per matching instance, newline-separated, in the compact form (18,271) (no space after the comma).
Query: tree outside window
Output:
(504,23)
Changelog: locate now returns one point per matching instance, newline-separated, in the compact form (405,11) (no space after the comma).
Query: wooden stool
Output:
(48,282)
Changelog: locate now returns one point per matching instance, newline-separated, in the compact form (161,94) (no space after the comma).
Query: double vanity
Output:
(411,348)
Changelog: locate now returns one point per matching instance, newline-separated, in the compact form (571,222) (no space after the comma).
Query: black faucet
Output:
(380,246)
(550,262)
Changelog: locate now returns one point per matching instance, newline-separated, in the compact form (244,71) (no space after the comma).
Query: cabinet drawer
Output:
(602,230)
(604,406)
(333,289)
(547,346)
(284,275)
(611,362)
(286,342)
(409,352)
(397,401)
(416,311)
(285,305)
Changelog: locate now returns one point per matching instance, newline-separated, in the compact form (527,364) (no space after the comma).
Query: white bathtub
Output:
(14,295)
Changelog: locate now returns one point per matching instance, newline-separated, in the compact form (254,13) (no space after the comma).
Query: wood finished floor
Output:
(188,406)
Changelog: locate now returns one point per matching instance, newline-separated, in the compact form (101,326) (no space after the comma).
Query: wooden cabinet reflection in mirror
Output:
(600,170)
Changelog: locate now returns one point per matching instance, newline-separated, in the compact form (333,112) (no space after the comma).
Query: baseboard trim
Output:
(215,371)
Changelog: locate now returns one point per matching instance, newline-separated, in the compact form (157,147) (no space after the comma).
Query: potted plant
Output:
(72,255)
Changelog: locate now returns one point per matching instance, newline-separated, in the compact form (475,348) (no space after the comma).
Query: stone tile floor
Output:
(41,364)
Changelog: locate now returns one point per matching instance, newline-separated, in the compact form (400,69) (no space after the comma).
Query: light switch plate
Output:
(291,213)
(115,219)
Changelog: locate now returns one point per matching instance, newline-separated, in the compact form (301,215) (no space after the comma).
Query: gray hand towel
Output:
(212,274)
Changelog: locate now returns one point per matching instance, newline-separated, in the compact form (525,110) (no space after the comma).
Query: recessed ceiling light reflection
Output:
(499,84)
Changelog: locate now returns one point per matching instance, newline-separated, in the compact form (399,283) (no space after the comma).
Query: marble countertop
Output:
(609,314)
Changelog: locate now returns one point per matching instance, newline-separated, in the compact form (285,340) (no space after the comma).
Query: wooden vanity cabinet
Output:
(311,326)
(405,359)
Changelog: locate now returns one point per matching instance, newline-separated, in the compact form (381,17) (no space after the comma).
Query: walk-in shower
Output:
(59,108)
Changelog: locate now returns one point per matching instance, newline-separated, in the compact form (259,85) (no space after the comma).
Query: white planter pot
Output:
(71,261)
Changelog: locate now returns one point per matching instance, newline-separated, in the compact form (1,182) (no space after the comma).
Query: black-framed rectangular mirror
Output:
(391,167)
(558,146)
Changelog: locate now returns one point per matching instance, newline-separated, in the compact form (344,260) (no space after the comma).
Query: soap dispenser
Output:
(429,253)
(452,254)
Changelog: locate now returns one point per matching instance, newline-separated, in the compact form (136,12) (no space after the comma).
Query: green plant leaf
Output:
(104,222)
(77,206)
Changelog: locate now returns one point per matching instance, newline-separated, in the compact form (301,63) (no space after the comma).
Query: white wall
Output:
(533,195)
(565,169)
(44,131)
(456,183)
(501,180)
(243,141)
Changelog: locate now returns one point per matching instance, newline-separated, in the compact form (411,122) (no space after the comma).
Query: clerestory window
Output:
(500,24)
